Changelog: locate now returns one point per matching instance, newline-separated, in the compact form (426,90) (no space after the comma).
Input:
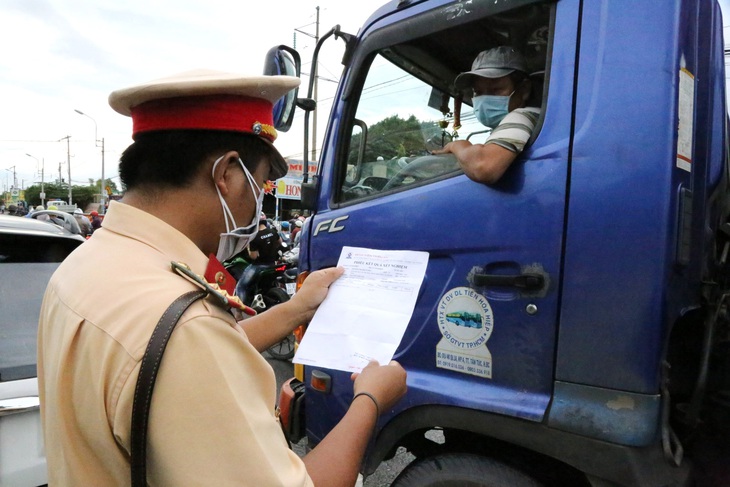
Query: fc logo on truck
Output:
(330,226)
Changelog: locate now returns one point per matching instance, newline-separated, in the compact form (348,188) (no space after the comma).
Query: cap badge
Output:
(259,128)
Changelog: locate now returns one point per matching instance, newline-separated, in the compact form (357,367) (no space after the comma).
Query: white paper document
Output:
(366,310)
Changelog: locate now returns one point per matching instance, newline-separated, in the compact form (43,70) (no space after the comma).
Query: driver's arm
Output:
(486,163)
(483,163)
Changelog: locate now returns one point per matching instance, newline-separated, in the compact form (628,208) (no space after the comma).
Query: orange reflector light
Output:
(299,333)
(319,385)
(320,381)
(300,279)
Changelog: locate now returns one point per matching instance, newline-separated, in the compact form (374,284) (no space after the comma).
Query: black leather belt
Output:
(146,383)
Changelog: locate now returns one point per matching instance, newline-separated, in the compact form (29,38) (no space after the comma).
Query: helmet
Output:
(94,213)
(53,207)
(285,225)
(298,223)
(78,211)
(39,208)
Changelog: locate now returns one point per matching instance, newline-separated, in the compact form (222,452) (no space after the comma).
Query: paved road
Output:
(384,475)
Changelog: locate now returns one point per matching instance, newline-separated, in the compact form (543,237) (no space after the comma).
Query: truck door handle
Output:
(529,282)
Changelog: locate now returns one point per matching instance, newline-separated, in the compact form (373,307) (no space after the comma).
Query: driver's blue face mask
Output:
(491,109)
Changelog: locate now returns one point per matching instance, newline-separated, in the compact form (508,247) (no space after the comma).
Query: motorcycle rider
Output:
(264,252)
(84,223)
(284,233)
(264,248)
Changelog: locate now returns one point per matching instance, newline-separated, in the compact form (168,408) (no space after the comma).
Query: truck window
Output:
(408,105)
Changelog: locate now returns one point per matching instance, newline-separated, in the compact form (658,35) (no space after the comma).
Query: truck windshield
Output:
(408,104)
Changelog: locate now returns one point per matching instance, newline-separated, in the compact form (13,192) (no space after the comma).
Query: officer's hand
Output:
(314,290)
(386,382)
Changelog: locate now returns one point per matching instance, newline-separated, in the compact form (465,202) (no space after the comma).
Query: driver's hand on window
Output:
(453,147)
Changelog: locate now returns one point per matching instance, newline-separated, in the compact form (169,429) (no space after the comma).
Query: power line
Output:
(307,25)
(28,141)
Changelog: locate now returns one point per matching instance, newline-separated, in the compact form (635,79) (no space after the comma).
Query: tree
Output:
(53,191)
(83,196)
(389,138)
(107,183)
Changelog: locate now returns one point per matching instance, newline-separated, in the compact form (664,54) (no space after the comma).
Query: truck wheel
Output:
(463,470)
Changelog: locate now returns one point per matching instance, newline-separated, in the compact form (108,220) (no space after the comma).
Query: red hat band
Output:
(211,112)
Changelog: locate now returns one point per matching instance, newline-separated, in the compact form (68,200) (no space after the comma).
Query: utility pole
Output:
(313,72)
(15,182)
(68,161)
(314,115)
(43,188)
(43,166)
(103,183)
(99,143)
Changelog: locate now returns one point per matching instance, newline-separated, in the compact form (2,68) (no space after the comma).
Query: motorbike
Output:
(291,257)
(263,286)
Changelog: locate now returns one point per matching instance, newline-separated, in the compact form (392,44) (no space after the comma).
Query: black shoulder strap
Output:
(146,382)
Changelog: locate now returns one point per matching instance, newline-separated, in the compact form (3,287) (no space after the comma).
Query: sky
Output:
(65,55)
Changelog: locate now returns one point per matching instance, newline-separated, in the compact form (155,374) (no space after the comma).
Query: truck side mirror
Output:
(283,60)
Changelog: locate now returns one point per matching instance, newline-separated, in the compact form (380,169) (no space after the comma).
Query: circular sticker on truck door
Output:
(465,321)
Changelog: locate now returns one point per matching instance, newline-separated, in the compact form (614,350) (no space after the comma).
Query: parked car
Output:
(30,251)
(59,218)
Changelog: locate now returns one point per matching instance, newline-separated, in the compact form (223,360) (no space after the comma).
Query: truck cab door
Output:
(483,334)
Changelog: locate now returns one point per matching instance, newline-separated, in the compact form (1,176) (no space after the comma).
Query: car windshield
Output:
(28,258)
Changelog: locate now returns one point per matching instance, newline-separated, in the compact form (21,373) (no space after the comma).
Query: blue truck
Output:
(602,252)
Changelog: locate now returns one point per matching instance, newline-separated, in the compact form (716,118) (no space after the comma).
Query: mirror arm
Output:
(306,104)
(315,56)
(349,41)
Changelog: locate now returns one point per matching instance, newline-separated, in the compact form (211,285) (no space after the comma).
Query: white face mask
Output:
(236,238)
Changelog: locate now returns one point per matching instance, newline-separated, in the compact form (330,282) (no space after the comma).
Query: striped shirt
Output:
(515,129)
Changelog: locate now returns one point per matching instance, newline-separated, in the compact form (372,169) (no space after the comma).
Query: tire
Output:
(271,298)
(462,470)
(284,350)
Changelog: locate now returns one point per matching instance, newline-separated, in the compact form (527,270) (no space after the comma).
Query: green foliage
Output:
(389,138)
(82,196)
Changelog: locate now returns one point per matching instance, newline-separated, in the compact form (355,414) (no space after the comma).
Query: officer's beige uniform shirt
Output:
(212,418)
